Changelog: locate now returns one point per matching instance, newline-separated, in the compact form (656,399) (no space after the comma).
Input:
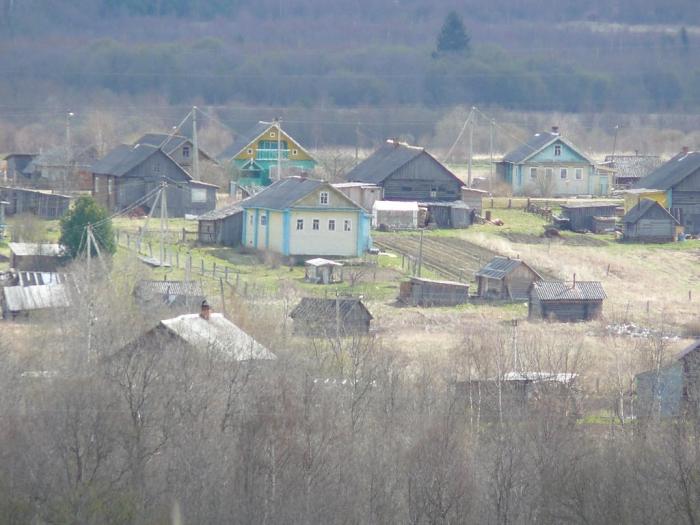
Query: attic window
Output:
(294,152)
(186,152)
(250,151)
(273,134)
(557,150)
(156,167)
(323,198)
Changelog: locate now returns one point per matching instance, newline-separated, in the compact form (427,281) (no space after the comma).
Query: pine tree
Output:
(453,37)
(87,211)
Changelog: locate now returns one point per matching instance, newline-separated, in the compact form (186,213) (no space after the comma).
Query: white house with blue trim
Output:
(548,165)
(299,216)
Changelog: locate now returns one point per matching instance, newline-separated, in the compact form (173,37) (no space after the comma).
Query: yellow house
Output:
(309,217)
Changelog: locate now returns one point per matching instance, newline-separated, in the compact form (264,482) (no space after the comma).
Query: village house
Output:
(37,257)
(15,166)
(62,169)
(418,291)
(648,221)
(205,332)
(299,216)
(566,301)
(671,390)
(42,203)
(363,194)
(258,153)
(180,149)
(506,279)
(221,226)
(407,173)
(548,165)
(338,317)
(678,180)
(128,173)
(629,169)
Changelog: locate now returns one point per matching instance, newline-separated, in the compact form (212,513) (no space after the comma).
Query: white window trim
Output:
(579,173)
(557,150)
(110,185)
(198,191)
(300,225)
(549,172)
(331,222)
(97,184)
(563,173)
(533,172)
(263,220)
(347,225)
(320,198)
(316,225)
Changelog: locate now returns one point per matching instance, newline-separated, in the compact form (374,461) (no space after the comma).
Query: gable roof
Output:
(385,161)
(642,208)
(36,297)
(568,291)
(246,139)
(319,308)
(284,193)
(30,249)
(695,345)
(168,143)
(145,288)
(672,172)
(122,159)
(221,213)
(632,166)
(217,333)
(537,143)
(499,267)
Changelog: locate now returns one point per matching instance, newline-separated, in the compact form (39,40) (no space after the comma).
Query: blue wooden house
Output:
(548,165)
(259,153)
(300,216)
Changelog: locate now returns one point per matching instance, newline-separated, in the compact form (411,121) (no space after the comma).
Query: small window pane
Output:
(316,225)
(198,195)
(300,224)
(563,173)
(263,220)
(579,174)
(323,198)
(347,225)
(533,173)
(331,225)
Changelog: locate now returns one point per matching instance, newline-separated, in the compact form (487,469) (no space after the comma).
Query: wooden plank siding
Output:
(422,179)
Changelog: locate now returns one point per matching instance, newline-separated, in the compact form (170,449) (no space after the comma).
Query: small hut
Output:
(341,316)
(395,215)
(566,301)
(428,292)
(323,271)
(505,278)
(25,299)
(448,214)
(474,198)
(40,257)
(579,216)
(221,226)
(648,221)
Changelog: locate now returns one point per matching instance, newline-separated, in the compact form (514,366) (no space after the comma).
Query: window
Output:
(263,220)
(579,174)
(563,173)
(533,173)
(251,219)
(315,225)
(294,152)
(186,152)
(300,224)
(347,225)
(250,151)
(198,194)
(273,134)
(557,150)
(548,172)
(331,225)
(156,167)
(433,191)
(110,185)
(97,184)
(323,198)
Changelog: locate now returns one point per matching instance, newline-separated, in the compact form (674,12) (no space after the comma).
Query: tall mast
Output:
(279,148)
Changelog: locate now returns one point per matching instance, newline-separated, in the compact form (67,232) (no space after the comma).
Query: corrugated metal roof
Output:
(569,291)
(283,193)
(530,147)
(26,298)
(218,334)
(632,166)
(642,208)
(499,267)
(672,172)
(221,213)
(581,205)
(319,308)
(411,206)
(422,280)
(188,288)
(122,159)
(27,249)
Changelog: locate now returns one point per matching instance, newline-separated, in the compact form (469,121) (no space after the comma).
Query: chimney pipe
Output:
(555,130)
(685,150)
(205,311)
(574,285)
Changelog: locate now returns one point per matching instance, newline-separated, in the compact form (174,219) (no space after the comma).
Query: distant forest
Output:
(632,56)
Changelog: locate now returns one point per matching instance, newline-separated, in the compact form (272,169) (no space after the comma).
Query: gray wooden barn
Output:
(579,215)
(671,390)
(407,173)
(38,257)
(648,221)
(221,226)
(429,292)
(42,203)
(505,278)
(566,301)
(340,316)
(448,214)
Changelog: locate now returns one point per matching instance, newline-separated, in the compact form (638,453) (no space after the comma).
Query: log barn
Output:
(566,301)
(505,278)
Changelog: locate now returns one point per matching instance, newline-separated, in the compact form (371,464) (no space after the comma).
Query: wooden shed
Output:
(648,221)
(448,214)
(505,278)
(429,292)
(395,215)
(473,198)
(337,317)
(323,271)
(221,226)
(42,203)
(566,301)
(580,215)
(38,257)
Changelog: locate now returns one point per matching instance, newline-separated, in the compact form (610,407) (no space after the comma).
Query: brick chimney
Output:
(205,311)
(555,130)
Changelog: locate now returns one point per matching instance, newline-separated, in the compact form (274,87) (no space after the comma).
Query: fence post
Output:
(128,240)
(492,202)
(226,273)
(177,259)
(237,278)
(150,248)
(510,203)
(202,266)
(184,236)
(213,270)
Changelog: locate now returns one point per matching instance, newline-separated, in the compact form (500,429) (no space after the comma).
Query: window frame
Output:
(549,172)
(557,150)
(198,191)
(300,225)
(533,172)
(331,225)
(321,196)
(347,225)
(564,173)
(315,225)
(578,173)
(263,219)
(185,152)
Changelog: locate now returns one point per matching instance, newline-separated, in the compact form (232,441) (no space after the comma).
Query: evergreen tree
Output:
(453,37)
(87,211)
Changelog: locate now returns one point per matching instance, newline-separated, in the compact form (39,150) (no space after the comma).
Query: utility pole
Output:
(492,129)
(614,142)
(69,171)
(357,141)
(163,219)
(279,148)
(420,253)
(516,365)
(471,148)
(195,145)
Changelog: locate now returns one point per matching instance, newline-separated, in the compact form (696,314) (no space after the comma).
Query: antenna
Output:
(195,145)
